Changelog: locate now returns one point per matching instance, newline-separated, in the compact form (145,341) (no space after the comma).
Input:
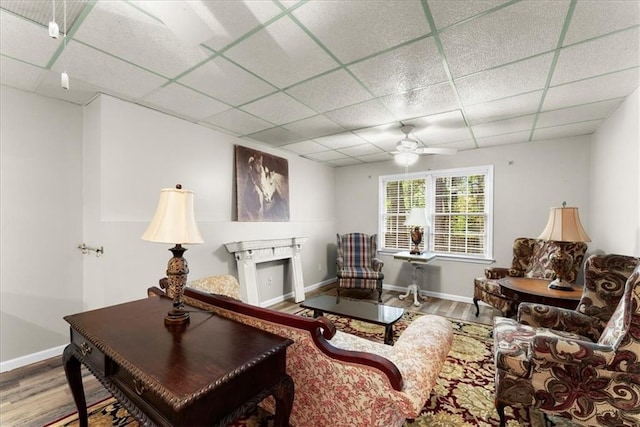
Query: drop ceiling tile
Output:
(341,140)
(585,128)
(347,161)
(384,136)
(468,144)
(504,126)
(330,91)
(313,127)
(507,35)
(581,113)
(614,52)
(100,69)
(238,121)
(184,101)
(361,115)
(79,92)
(227,82)
(449,12)
(614,85)
(325,156)
(509,138)
(305,147)
(138,38)
(279,108)
(439,128)
(26,41)
(276,136)
(361,150)
(421,102)
(282,54)
(379,157)
(415,65)
(234,19)
(513,106)
(593,18)
(355,29)
(19,74)
(520,77)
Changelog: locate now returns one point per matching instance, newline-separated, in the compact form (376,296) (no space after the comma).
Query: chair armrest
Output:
(376,264)
(551,346)
(496,272)
(560,319)
(339,263)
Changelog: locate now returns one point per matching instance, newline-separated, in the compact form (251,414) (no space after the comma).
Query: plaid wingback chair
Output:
(592,383)
(530,259)
(604,280)
(357,265)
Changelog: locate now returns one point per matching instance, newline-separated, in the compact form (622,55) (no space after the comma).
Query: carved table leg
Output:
(388,334)
(74,378)
(283,394)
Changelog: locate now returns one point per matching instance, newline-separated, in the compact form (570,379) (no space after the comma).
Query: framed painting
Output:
(262,186)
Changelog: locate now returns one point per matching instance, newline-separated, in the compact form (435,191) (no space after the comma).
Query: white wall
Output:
(615,181)
(529,178)
(137,151)
(40,217)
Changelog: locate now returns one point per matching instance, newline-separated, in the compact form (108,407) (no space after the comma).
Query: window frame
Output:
(430,177)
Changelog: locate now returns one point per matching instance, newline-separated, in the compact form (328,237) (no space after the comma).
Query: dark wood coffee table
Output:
(379,314)
(207,372)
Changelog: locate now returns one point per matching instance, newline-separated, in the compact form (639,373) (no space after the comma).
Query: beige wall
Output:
(529,178)
(615,181)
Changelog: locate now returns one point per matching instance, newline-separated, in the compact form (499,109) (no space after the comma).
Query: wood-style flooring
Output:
(38,394)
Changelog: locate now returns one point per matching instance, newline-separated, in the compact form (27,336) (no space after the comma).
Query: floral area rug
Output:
(463,396)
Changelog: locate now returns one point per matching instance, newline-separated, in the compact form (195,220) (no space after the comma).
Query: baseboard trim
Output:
(450,297)
(284,297)
(22,361)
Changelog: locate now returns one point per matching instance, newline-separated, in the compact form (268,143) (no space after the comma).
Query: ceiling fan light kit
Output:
(407,151)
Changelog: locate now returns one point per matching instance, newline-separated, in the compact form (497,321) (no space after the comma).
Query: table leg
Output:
(317,313)
(74,378)
(388,334)
(283,394)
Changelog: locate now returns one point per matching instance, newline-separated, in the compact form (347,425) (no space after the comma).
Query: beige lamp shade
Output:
(174,221)
(564,226)
(417,218)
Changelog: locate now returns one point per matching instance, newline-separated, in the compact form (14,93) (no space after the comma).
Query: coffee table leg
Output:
(283,394)
(74,378)
(388,334)
(317,313)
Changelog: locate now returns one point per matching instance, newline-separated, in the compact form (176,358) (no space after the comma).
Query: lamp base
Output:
(175,316)
(415,251)
(560,285)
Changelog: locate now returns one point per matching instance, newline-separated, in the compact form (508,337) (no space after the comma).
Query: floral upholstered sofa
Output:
(340,379)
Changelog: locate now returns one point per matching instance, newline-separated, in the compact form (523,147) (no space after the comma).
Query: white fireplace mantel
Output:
(248,253)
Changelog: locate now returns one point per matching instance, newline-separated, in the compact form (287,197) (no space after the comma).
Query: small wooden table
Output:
(207,372)
(415,260)
(537,291)
(379,314)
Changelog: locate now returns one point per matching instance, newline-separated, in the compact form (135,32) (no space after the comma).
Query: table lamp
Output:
(174,222)
(563,227)
(417,218)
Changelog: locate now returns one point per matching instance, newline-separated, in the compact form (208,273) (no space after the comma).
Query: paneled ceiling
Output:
(333,81)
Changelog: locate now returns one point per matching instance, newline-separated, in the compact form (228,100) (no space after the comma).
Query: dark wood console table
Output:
(523,289)
(208,372)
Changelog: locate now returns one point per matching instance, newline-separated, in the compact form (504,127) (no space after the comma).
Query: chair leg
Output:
(475,301)
(379,295)
(500,408)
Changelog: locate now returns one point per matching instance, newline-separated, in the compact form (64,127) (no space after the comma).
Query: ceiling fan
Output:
(407,151)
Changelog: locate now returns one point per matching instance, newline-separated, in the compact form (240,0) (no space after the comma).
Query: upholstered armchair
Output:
(590,382)
(530,259)
(357,265)
(604,280)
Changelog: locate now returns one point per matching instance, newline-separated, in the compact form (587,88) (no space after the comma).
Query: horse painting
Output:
(262,186)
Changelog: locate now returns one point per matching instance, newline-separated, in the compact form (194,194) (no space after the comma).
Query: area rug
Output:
(463,396)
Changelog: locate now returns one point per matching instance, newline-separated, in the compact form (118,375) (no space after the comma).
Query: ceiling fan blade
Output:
(435,150)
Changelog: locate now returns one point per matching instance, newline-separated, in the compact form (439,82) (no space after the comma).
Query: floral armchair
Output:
(590,382)
(357,265)
(530,259)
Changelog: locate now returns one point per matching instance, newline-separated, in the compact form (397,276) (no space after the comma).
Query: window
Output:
(459,206)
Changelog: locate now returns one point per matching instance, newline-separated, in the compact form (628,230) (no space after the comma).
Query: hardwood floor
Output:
(38,394)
